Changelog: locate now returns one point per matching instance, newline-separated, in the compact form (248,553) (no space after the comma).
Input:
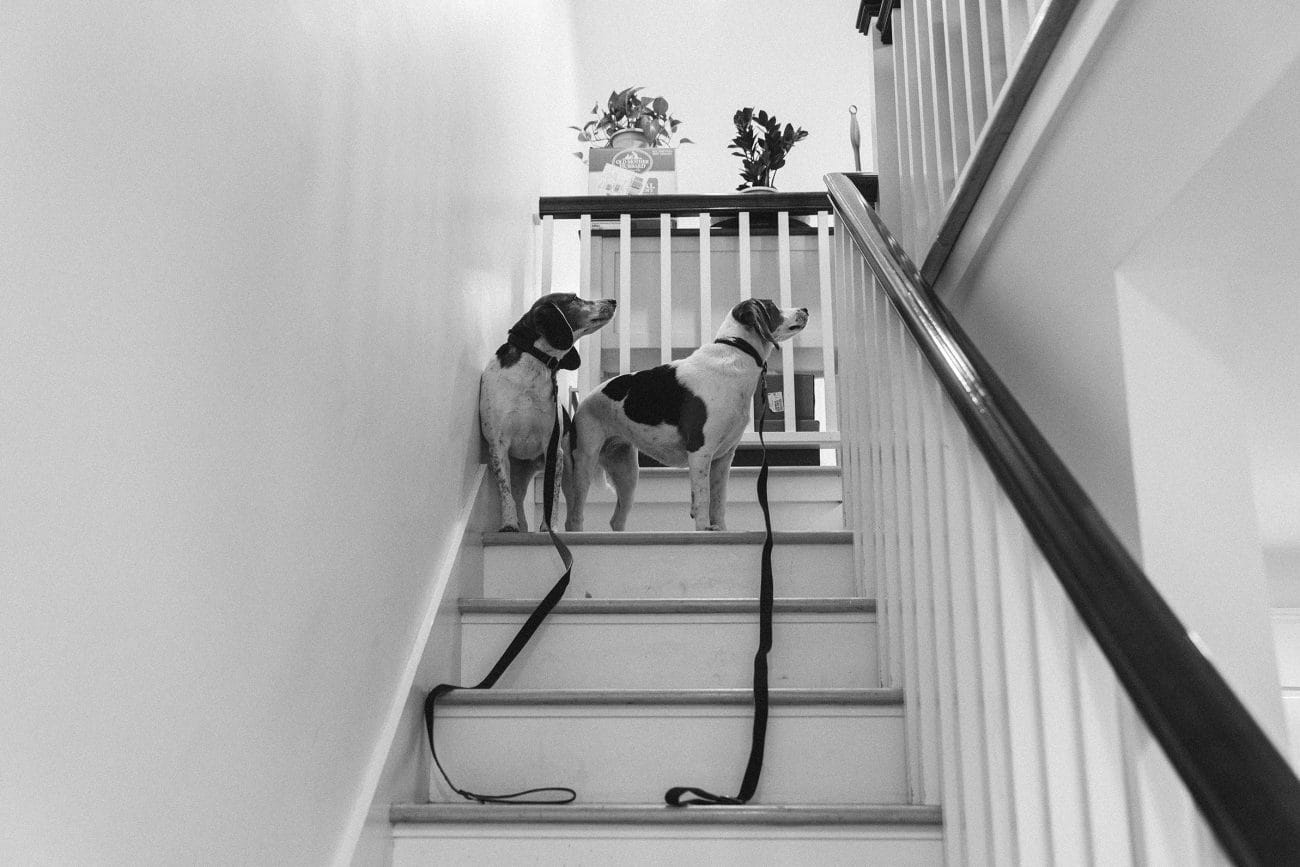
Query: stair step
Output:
(673,643)
(624,746)
(669,564)
(801,498)
(896,835)
(659,814)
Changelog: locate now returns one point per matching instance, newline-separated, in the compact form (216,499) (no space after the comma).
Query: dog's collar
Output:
(522,337)
(745,347)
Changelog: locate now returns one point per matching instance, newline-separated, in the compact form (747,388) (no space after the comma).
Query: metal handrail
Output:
(1244,788)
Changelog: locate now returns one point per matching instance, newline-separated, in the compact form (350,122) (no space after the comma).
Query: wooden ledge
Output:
(839,815)
(667,537)
(674,697)
(783,605)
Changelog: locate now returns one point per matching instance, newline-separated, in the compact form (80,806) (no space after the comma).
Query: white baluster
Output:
(935,72)
(922,96)
(970,719)
(1015,25)
(706,278)
(986,540)
(624,293)
(828,331)
(665,288)
(899,370)
(588,373)
(1023,698)
(548,252)
(1104,758)
(932,408)
(976,88)
(915,204)
(949,14)
(745,251)
(1071,839)
(787,348)
(923,648)
(995,50)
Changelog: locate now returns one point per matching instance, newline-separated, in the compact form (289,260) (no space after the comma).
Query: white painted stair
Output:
(640,681)
(809,498)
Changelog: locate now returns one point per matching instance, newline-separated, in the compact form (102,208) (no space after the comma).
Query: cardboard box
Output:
(631,171)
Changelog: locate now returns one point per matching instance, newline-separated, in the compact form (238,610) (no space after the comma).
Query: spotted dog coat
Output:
(689,413)
(517,392)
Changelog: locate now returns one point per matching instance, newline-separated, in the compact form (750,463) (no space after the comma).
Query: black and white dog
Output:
(689,413)
(517,392)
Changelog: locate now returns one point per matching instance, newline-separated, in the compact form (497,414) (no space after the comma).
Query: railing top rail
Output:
(1243,786)
(685,205)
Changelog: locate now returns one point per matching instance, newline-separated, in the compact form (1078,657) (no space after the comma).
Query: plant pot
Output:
(759,190)
(629,138)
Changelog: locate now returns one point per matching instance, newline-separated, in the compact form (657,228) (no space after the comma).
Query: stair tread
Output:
(672,537)
(719,605)
(709,696)
(660,814)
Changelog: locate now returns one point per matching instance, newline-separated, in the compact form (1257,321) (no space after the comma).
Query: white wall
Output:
(255,255)
(803,62)
(1073,277)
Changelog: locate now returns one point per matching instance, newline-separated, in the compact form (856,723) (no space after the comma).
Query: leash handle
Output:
(551,794)
(677,796)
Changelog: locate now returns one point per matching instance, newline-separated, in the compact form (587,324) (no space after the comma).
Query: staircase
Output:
(640,681)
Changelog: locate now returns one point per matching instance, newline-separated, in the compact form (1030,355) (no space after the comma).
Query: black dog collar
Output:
(522,338)
(744,346)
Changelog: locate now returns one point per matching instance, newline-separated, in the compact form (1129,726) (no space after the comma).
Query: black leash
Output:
(559,794)
(676,796)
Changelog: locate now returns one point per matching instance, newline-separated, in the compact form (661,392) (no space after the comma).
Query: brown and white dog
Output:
(517,392)
(689,413)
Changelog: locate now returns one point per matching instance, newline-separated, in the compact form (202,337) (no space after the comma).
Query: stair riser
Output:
(421,845)
(821,515)
(633,754)
(672,486)
(674,651)
(669,571)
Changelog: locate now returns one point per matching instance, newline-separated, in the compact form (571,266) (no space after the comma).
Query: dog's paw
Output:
(509,528)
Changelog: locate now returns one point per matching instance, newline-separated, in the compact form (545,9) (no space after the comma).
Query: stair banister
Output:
(1241,784)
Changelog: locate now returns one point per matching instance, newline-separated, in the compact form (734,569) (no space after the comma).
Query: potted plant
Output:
(762,145)
(630,120)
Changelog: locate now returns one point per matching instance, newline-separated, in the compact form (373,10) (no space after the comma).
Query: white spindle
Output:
(927,696)
(624,293)
(1015,24)
(908,565)
(745,252)
(971,36)
(1023,697)
(922,96)
(969,679)
(1061,747)
(706,277)
(787,300)
(878,426)
(548,252)
(915,204)
(932,410)
(832,413)
(1104,758)
(665,288)
(987,572)
(589,373)
(995,50)
(935,72)
(949,15)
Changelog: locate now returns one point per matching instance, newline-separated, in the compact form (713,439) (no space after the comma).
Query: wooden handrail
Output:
(680,205)
(1243,786)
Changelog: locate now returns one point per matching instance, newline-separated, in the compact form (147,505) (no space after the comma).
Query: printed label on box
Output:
(776,401)
(608,171)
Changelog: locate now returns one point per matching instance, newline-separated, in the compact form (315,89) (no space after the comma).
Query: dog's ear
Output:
(571,360)
(551,324)
(754,314)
